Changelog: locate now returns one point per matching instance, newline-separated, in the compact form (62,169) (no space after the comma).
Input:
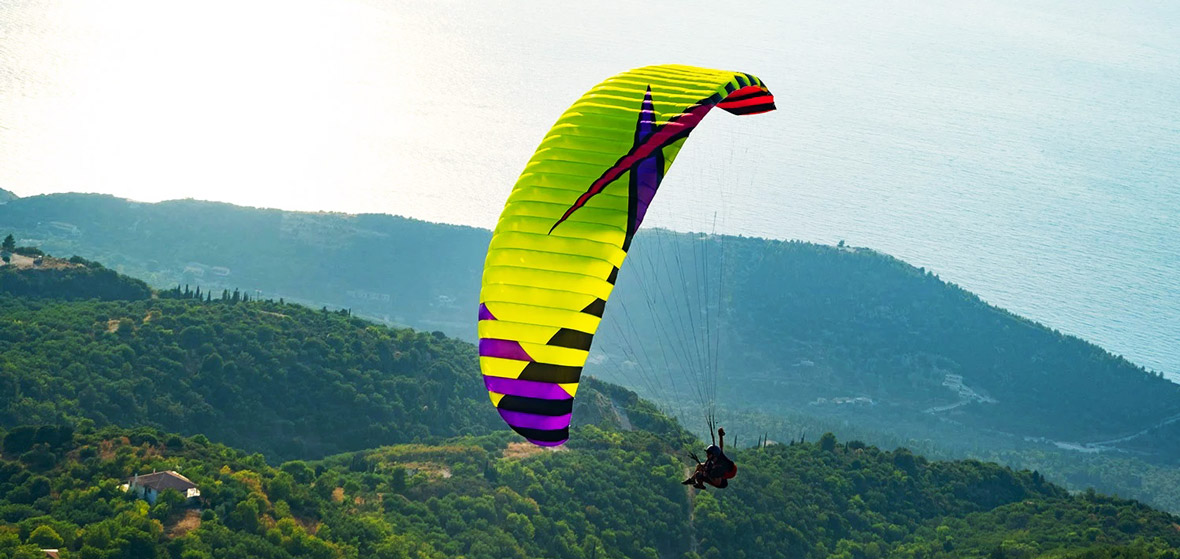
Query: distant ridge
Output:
(6,196)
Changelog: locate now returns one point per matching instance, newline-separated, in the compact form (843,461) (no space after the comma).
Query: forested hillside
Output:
(88,385)
(838,337)
(272,377)
(609,495)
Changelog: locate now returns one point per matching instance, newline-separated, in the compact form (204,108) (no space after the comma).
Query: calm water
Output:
(1028,151)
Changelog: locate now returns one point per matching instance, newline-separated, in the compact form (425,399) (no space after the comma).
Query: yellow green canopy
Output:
(567,226)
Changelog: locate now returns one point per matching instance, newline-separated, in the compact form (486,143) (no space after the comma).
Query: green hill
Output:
(75,279)
(608,495)
(272,377)
(814,337)
(94,392)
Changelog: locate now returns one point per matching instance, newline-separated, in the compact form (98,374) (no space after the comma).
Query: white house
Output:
(149,486)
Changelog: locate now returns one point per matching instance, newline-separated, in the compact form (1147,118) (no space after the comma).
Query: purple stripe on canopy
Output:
(534,421)
(484,313)
(547,443)
(650,169)
(527,388)
(504,349)
(647,180)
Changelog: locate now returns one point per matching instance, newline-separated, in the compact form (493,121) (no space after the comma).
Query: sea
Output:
(1028,151)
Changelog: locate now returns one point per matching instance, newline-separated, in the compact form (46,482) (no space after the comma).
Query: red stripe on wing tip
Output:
(747,102)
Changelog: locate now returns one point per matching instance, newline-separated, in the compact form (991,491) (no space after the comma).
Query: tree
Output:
(45,536)
(245,516)
(9,244)
(299,470)
(828,442)
(168,502)
(397,479)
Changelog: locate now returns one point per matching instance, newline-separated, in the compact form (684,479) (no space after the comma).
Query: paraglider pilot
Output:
(717,469)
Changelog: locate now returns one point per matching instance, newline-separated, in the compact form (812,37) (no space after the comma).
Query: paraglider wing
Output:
(567,225)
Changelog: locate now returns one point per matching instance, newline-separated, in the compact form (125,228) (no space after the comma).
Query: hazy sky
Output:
(422,108)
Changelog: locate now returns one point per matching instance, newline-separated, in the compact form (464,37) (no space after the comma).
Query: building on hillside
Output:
(149,486)
(51,553)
